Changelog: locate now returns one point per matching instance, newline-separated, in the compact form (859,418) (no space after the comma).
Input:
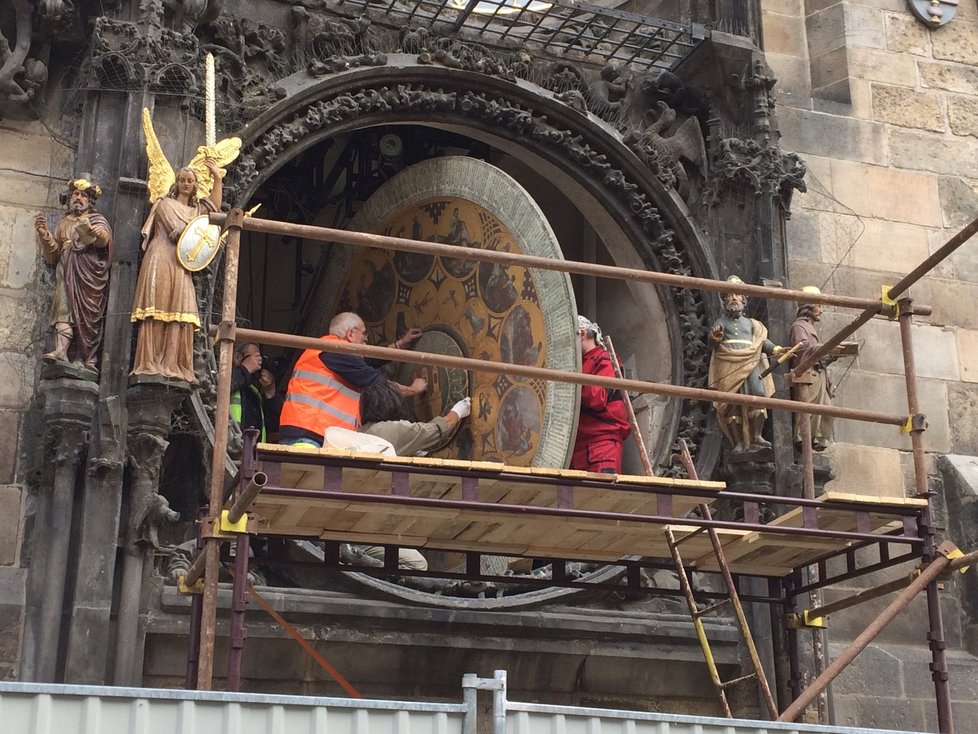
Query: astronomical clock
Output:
(484,311)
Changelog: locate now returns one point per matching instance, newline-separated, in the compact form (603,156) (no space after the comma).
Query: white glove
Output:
(463,408)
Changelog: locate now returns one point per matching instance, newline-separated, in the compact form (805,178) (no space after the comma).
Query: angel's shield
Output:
(199,244)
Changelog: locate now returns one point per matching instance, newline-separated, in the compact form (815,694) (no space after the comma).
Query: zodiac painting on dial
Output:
(465,308)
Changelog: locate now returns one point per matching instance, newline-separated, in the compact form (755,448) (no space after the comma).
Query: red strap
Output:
(347,686)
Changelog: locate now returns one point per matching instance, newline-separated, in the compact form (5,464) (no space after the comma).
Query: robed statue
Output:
(737,365)
(165,305)
(80,249)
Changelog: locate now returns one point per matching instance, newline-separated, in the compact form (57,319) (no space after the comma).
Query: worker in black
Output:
(255,400)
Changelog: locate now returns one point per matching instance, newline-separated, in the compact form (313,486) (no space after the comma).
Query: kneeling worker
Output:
(381,411)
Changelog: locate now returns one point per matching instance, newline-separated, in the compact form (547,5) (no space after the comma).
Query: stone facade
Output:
(34,172)
(883,111)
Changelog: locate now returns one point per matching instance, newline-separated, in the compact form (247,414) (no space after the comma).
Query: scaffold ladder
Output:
(733,599)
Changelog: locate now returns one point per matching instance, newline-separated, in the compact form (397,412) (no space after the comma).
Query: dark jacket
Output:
(250,407)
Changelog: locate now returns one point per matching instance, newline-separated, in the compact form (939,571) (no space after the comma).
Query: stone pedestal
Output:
(69,405)
(151,402)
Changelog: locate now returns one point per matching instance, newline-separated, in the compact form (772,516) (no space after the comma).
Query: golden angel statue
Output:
(165,305)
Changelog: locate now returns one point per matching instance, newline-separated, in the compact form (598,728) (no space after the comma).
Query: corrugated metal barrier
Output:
(528,718)
(34,708)
(37,708)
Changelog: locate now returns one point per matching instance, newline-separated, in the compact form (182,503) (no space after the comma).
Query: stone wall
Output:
(34,170)
(885,112)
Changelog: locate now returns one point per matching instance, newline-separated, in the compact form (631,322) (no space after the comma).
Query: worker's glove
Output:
(463,408)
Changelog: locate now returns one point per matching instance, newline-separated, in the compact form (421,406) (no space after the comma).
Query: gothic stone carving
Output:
(755,162)
(150,409)
(663,146)
(121,57)
(148,509)
(335,44)
(22,75)
(762,168)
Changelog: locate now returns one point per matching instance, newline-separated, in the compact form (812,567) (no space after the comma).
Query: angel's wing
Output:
(223,151)
(161,177)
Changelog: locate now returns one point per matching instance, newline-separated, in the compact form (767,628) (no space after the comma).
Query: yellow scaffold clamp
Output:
(196,588)
(241,526)
(958,553)
(914,423)
(887,301)
(805,619)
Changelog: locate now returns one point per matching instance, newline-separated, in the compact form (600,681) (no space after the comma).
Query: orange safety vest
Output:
(318,398)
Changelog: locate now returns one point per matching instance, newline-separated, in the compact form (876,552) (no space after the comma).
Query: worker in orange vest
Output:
(325,387)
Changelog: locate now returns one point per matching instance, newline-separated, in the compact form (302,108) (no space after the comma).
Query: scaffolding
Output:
(298,492)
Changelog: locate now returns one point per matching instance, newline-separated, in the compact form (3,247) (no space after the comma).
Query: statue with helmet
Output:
(80,250)
(739,364)
(814,384)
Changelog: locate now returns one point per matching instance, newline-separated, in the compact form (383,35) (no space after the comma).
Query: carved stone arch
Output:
(515,117)
(520,117)
(116,71)
(173,76)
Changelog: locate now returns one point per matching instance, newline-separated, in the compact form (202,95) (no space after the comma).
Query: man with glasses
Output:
(325,387)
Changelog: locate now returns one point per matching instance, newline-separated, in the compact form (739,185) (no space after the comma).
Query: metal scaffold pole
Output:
(212,544)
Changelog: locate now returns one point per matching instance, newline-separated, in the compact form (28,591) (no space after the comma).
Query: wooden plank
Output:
(770,553)
(355,479)
(408,541)
(764,554)
(838,520)
(875,499)
(521,493)
(475,547)
(484,531)
(447,488)
(543,551)
(612,500)
(353,458)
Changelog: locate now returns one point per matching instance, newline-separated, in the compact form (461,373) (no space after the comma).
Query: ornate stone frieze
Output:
(23,71)
(122,57)
(467,56)
(762,168)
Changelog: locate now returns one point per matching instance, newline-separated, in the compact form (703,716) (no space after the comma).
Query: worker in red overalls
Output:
(603,425)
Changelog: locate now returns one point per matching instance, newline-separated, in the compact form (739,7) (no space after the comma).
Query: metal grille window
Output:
(556,28)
